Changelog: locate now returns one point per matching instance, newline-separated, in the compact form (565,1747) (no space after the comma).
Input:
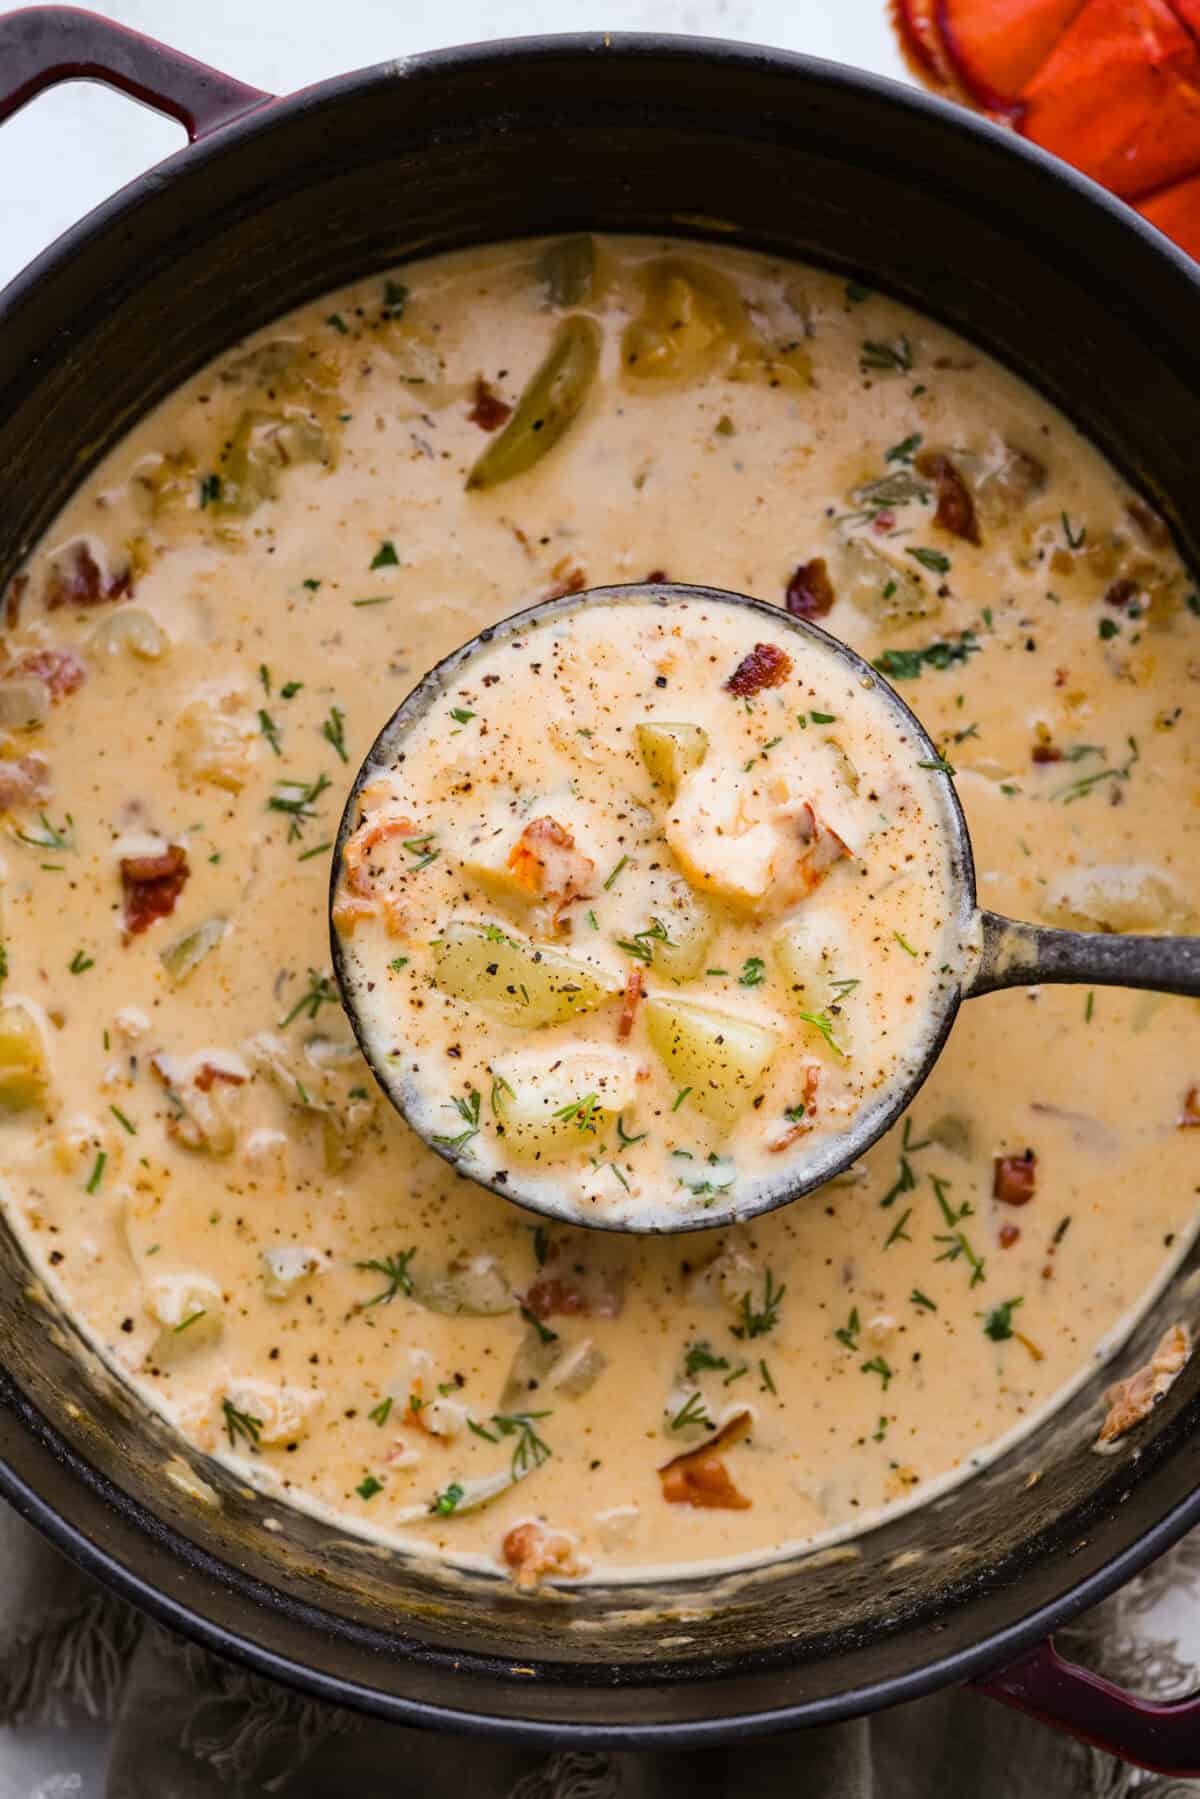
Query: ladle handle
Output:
(1029,955)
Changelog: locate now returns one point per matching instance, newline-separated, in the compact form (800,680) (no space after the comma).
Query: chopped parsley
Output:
(80,963)
(641,944)
(756,1321)
(333,730)
(933,560)
(530,1451)
(998,1323)
(395,299)
(297,799)
(241,1424)
(394,1270)
(907,665)
(461,715)
(753,972)
(700,1358)
(368,1487)
(270,730)
(895,357)
(848,1332)
(385,556)
(321,992)
(579,1112)
(468,1111)
(878,1366)
(446,1503)
(692,1412)
(339,324)
(378,1414)
(905,450)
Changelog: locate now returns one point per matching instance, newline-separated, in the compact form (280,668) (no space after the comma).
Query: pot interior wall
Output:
(364,173)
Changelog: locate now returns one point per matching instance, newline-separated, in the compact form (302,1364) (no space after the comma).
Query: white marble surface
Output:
(76,145)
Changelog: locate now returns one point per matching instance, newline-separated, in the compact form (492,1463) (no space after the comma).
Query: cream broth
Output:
(650,909)
(199,654)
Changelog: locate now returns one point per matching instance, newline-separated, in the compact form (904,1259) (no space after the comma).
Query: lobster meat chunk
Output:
(1111,86)
(993,47)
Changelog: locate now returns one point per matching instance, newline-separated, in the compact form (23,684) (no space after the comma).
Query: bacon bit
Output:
(489,411)
(1014,1178)
(1060,677)
(1189,1118)
(25,782)
(810,591)
(699,1477)
(634,987)
(1009,1234)
(656,575)
(574,581)
(1046,752)
(152,884)
(531,1551)
(1120,593)
(585,1290)
(1153,528)
(955,507)
(765,666)
(60,670)
(545,861)
(13,597)
(209,1073)
(554,1298)
(75,578)
(1131,1400)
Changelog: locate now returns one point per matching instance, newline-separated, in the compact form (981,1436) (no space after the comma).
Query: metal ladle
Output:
(1009,953)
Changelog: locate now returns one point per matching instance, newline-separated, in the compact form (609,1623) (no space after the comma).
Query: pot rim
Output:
(100,1526)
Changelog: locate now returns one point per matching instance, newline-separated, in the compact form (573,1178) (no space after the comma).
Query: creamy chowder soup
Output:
(676,882)
(197,657)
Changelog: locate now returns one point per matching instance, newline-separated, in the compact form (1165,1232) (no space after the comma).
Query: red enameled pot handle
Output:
(1164,1737)
(43,45)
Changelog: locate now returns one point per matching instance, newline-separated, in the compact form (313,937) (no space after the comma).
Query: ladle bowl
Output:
(1000,952)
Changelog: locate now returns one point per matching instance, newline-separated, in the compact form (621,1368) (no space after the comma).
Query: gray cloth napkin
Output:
(189,1726)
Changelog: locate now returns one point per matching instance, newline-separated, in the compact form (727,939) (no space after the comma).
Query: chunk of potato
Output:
(216,743)
(886,586)
(670,752)
(557,1102)
(691,927)
(23,1073)
(474,1286)
(1117,896)
(809,951)
(516,981)
(720,1057)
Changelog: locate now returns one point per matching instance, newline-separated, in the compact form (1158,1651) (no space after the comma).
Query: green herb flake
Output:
(905,450)
(339,324)
(848,1332)
(210,491)
(753,972)
(933,560)
(394,1270)
(79,964)
(241,1424)
(378,1414)
(270,730)
(321,992)
(756,1321)
(692,1412)
(333,730)
(998,1323)
(97,1175)
(385,556)
(124,1122)
(878,1366)
(368,1487)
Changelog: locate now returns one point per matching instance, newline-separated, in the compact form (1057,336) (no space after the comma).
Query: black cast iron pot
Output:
(276,201)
